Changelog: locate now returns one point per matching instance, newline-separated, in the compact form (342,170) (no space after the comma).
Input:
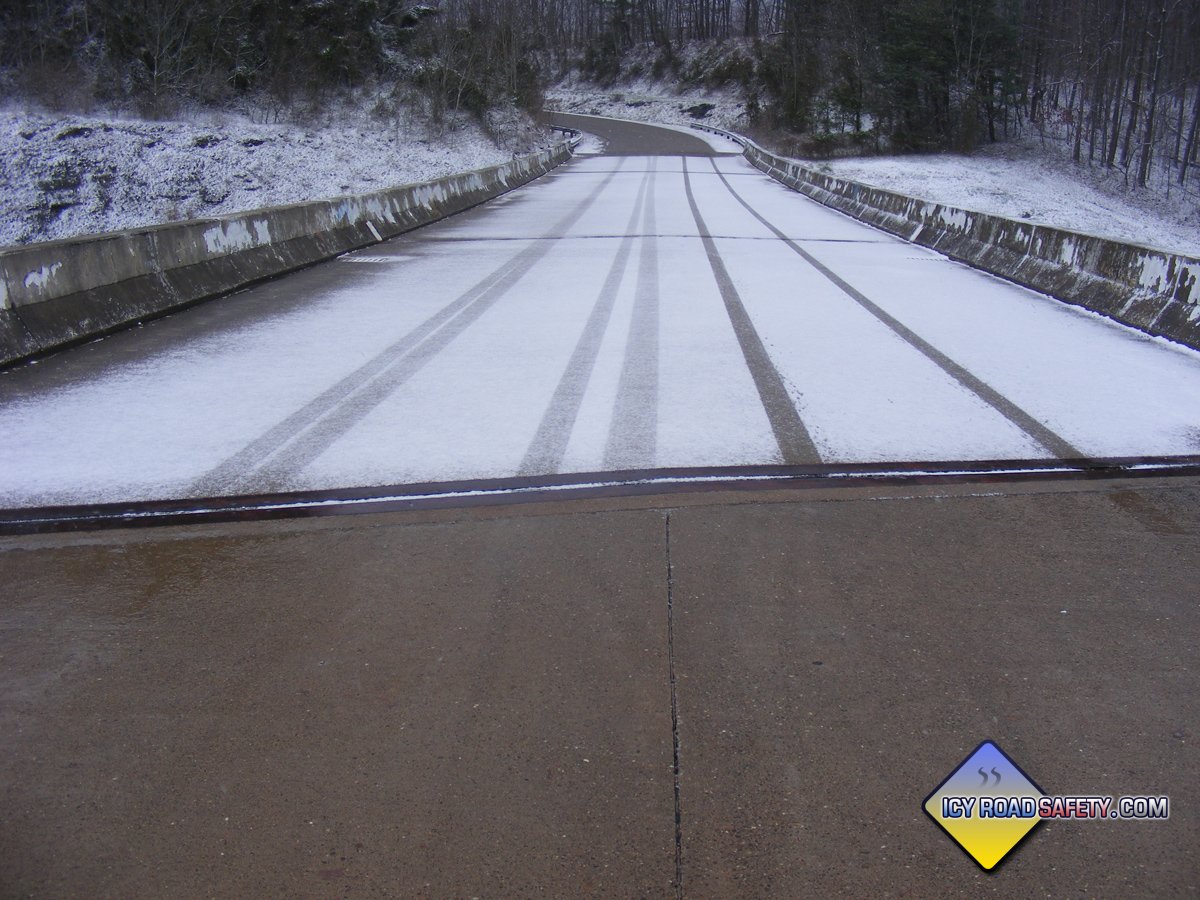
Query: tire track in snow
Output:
(1058,446)
(306,433)
(795,444)
(633,434)
(549,444)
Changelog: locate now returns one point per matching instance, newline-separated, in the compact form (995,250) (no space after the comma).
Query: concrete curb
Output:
(58,293)
(1151,290)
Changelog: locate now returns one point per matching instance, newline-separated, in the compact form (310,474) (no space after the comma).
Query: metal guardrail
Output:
(574,135)
(736,138)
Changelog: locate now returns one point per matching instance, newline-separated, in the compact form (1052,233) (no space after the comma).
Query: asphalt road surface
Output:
(700,694)
(623,312)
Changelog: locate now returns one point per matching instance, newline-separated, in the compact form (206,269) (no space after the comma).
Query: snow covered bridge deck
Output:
(625,312)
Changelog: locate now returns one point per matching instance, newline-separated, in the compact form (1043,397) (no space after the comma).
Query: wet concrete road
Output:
(622,312)
(500,703)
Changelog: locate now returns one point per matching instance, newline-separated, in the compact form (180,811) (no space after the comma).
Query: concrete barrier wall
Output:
(1149,289)
(60,292)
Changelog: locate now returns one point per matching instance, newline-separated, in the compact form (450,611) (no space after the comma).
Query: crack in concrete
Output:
(674,712)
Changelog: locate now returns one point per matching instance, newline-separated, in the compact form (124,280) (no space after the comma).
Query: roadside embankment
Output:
(1151,290)
(58,293)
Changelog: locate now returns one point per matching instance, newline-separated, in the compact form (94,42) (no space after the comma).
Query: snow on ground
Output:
(590,145)
(1023,180)
(62,176)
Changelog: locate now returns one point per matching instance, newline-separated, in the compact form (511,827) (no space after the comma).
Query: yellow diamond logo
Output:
(987,805)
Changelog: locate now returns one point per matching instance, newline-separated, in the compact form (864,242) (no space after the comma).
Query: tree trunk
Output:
(1182,105)
(1190,153)
(1076,152)
(750,22)
(1152,110)
(1097,106)
(1120,80)
(1135,102)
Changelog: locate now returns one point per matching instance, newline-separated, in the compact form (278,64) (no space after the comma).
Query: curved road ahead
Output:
(671,309)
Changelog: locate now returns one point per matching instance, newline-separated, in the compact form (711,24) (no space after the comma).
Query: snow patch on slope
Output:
(1021,180)
(65,176)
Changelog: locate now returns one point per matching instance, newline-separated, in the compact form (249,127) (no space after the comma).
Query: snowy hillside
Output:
(63,176)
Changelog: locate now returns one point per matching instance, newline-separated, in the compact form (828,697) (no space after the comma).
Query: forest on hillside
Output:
(1118,79)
